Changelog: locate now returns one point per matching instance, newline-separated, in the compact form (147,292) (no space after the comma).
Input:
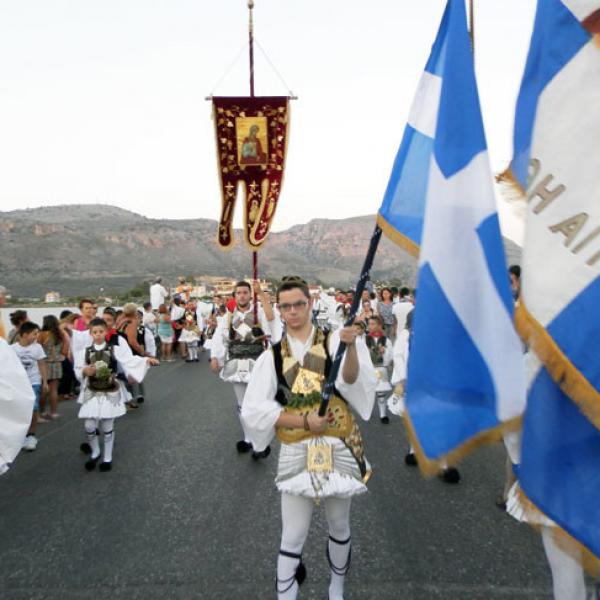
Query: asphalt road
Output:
(183,516)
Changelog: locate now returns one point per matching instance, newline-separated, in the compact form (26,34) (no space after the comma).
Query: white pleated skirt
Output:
(103,405)
(293,477)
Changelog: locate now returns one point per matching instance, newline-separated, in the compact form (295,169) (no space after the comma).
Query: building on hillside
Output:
(52,297)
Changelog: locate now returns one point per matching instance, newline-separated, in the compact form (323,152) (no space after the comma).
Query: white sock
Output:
(338,519)
(287,586)
(568,581)
(109,438)
(382,404)
(296,513)
(92,439)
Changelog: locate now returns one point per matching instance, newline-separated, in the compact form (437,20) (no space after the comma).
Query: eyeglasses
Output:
(296,306)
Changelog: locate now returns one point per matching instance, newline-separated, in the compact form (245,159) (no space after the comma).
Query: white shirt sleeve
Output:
(80,340)
(133,366)
(260,410)
(79,361)
(38,352)
(218,347)
(389,353)
(149,342)
(360,394)
(273,328)
(400,357)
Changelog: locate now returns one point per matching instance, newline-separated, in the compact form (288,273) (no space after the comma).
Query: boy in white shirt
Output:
(32,357)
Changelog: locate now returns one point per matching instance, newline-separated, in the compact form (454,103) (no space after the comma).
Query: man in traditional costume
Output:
(563,553)
(322,458)
(238,342)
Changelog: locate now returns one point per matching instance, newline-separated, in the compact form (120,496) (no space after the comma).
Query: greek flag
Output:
(556,164)
(465,380)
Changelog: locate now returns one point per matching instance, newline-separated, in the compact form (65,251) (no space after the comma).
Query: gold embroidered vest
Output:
(299,390)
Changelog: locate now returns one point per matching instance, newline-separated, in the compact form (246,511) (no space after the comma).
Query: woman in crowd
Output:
(165,333)
(55,343)
(17,319)
(385,309)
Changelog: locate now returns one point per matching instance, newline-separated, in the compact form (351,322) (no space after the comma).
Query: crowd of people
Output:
(277,351)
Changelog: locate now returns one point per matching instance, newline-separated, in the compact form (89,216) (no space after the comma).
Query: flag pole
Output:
(360,286)
(251,57)
(472,25)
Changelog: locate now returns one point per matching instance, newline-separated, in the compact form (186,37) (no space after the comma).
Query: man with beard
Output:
(237,343)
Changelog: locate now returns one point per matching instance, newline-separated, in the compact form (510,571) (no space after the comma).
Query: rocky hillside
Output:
(79,248)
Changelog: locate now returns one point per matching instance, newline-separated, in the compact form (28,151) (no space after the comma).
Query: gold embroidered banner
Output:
(251,144)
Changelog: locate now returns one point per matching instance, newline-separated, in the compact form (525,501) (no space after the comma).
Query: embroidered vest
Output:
(106,355)
(244,348)
(297,389)
(374,345)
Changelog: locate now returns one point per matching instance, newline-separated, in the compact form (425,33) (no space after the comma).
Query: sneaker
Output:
(42,419)
(385,420)
(54,416)
(140,399)
(30,443)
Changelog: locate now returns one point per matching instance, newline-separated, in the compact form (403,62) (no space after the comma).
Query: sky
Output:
(103,101)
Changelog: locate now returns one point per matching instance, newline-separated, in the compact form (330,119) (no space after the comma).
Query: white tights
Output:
(107,427)
(381,398)
(568,582)
(296,514)
(240,390)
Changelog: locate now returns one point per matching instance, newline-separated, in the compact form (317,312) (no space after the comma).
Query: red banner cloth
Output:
(251,146)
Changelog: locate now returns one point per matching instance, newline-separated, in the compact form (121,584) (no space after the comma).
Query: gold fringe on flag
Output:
(432,467)
(574,548)
(569,378)
(509,183)
(393,234)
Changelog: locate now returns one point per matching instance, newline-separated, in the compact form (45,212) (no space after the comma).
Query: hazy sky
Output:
(104,100)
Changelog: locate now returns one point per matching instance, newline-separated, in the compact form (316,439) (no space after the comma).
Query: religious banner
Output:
(251,142)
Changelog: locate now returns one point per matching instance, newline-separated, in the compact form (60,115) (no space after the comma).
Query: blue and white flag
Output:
(556,164)
(465,380)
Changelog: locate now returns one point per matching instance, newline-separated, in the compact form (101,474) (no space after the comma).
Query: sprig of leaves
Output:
(303,400)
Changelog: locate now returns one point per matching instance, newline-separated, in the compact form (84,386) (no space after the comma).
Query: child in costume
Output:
(380,348)
(103,395)
(190,336)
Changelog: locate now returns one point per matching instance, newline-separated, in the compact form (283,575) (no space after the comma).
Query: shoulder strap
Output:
(329,363)
(281,382)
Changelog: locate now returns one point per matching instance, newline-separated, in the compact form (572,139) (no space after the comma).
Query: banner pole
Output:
(472,25)
(360,286)
(251,57)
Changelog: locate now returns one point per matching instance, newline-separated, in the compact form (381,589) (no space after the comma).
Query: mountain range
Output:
(79,249)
